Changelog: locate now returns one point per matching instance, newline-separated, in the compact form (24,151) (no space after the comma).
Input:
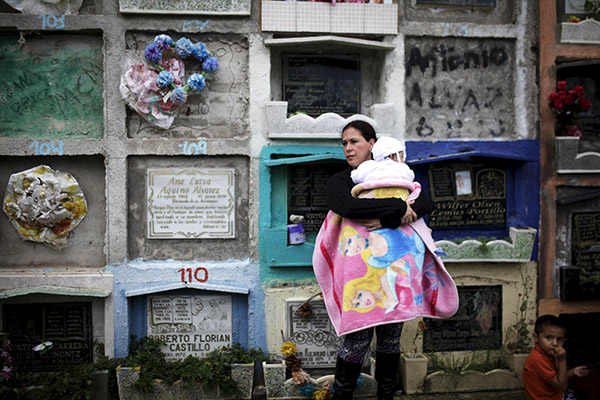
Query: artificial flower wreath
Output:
(155,87)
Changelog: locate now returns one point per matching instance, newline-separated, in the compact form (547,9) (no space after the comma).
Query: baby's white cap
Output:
(384,146)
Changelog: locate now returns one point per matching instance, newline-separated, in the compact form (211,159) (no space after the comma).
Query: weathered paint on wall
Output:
(52,87)
(268,220)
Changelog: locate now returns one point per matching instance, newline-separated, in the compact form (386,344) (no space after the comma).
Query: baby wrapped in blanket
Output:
(386,275)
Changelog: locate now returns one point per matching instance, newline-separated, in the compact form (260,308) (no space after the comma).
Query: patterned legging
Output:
(356,344)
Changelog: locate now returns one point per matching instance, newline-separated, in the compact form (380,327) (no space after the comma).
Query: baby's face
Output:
(394,156)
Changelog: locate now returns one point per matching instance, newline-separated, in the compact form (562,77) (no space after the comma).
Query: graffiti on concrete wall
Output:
(52,87)
(459,88)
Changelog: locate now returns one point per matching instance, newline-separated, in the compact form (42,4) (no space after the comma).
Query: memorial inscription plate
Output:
(307,192)
(316,84)
(68,326)
(191,203)
(466,195)
(316,341)
(190,325)
(477,325)
(585,248)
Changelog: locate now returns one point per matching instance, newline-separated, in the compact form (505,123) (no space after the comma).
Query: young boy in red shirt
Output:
(545,373)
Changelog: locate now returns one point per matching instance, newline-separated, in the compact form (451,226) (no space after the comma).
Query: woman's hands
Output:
(410,215)
(372,224)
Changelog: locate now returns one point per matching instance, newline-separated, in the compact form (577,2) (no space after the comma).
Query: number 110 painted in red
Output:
(200,274)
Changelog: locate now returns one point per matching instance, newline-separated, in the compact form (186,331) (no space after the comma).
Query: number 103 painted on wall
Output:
(199,274)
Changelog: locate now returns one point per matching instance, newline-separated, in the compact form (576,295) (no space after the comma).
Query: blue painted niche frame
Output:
(522,161)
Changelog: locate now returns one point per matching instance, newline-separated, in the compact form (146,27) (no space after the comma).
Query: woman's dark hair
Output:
(365,129)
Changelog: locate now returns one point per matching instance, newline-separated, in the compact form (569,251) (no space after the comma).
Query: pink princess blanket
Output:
(382,276)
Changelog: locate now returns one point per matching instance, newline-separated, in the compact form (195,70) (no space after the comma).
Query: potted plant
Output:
(469,371)
(145,373)
(413,364)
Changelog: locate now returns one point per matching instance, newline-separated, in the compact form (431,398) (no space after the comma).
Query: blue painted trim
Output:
(176,286)
(523,180)
(138,279)
(272,225)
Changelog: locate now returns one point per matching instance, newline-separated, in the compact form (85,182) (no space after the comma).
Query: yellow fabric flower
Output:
(288,349)
(320,394)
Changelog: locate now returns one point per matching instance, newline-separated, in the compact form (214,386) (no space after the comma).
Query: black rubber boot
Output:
(386,370)
(346,375)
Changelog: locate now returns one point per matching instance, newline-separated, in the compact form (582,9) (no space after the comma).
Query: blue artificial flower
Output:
(152,53)
(163,42)
(184,47)
(178,96)
(360,381)
(165,78)
(210,64)
(196,82)
(200,52)
(307,389)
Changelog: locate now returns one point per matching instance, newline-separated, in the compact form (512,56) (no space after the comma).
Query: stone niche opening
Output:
(578,257)
(190,321)
(326,75)
(573,154)
(71,318)
(583,349)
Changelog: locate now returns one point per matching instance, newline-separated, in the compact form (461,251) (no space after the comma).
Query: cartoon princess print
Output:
(386,247)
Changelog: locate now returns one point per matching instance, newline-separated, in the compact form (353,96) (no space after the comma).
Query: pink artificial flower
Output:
(135,78)
(176,67)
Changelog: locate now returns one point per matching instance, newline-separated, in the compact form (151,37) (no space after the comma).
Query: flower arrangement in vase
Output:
(155,86)
(566,106)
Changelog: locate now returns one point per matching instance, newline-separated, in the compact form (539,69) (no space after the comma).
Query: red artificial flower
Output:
(584,104)
(566,106)
(569,100)
(558,105)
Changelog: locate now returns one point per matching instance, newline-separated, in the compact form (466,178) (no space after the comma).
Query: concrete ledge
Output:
(569,161)
(496,250)
(325,126)
(585,32)
(472,381)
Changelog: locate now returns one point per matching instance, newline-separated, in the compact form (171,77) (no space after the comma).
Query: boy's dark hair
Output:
(548,320)
(365,129)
